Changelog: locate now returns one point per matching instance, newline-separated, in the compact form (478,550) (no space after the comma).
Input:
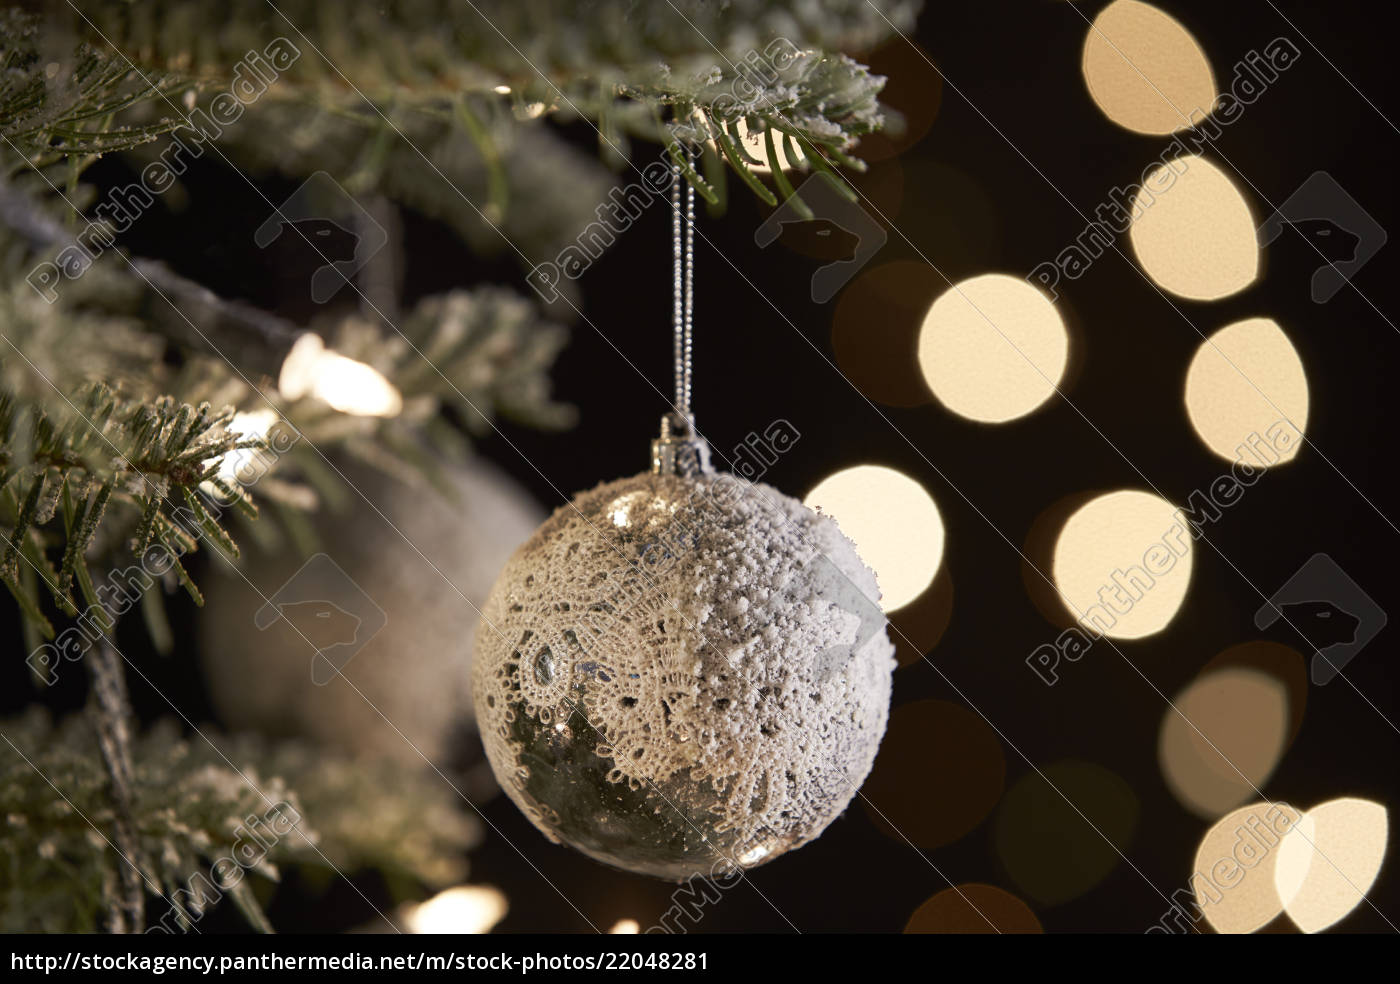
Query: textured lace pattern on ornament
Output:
(706,628)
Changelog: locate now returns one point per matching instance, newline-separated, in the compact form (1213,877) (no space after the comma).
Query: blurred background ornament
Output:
(404,693)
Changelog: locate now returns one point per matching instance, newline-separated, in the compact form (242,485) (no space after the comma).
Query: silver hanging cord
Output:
(680,450)
(683,270)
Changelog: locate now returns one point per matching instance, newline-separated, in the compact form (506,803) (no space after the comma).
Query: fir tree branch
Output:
(111,713)
(613,62)
(62,97)
(186,312)
(189,799)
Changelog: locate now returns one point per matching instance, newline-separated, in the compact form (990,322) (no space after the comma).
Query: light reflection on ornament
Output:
(754,855)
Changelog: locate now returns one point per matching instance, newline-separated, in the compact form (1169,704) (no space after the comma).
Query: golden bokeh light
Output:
(1233,877)
(1055,851)
(1222,739)
(993,348)
(1329,861)
(1247,393)
(893,522)
(1038,558)
(1122,564)
(973,908)
(1145,71)
(939,774)
(1192,231)
(1282,663)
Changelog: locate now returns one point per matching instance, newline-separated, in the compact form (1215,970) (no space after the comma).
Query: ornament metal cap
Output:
(680,450)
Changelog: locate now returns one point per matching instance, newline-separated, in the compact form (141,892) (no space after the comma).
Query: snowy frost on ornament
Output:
(683,675)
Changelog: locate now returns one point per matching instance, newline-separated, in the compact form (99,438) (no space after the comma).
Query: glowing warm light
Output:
(255,422)
(1122,564)
(1223,738)
(1192,231)
(1277,661)
(1329,861)
(251,423)
(626,927)
(1233,878)
(893,522)
(463,909)
(973,909)
(1145,71)
(502,90)
(1247,393)
(993,348)
(347,385)
(754,143)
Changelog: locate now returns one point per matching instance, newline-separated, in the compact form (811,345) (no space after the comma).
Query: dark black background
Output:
(970,203)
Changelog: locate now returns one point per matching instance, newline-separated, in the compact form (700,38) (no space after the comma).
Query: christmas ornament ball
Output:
(683,675)
(413,552)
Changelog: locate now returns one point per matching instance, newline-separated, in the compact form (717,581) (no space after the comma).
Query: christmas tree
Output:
(153,425)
